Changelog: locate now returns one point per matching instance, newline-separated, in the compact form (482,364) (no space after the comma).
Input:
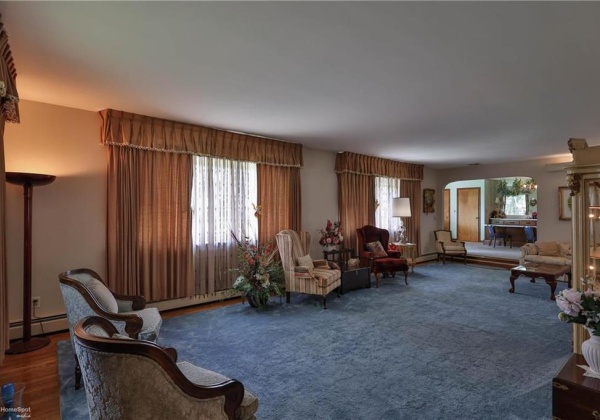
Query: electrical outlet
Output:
(36,302)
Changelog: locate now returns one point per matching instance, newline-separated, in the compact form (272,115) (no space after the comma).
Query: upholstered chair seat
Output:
(85,294)
(373,246)
(302,274)
(448,247)
(132,379)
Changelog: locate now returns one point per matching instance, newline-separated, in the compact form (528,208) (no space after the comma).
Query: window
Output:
(385,190)
(516,205)
(223,195)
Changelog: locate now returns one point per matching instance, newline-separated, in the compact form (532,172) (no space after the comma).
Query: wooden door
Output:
(447,209)
(468,210)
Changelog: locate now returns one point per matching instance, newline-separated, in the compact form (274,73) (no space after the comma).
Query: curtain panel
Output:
(9,112)
(412,190)
(279,201)
(356,198)
(370,165)
(137,131)
(149,224)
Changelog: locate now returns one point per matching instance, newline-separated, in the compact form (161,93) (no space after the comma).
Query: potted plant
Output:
(260,273)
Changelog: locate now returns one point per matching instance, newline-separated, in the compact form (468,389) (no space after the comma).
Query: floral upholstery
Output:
(448,247)
(556,253)
(78,307)
(316,281)
(128,379)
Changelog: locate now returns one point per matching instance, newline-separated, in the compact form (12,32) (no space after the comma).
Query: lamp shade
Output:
(401,207)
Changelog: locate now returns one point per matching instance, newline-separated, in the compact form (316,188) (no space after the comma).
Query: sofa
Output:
(550,252)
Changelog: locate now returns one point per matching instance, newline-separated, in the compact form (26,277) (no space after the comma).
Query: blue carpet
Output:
(454,344)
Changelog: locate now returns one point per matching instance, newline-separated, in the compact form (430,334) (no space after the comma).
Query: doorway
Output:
(447,209)
(468,210)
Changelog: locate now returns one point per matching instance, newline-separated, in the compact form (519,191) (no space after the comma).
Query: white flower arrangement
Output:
(580,308)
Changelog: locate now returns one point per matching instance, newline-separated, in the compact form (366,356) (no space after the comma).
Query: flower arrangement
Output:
(260,274)
(580,308)
(331,235)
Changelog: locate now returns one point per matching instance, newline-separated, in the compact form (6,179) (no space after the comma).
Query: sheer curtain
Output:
(224,193)
(385,190)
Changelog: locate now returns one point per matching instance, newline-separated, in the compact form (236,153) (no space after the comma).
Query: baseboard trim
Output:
(40,326)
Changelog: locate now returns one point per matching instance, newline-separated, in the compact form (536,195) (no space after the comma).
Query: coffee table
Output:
(548,272)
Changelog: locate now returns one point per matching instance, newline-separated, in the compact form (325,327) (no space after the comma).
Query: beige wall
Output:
(547,178)
(69,219)
(69,215)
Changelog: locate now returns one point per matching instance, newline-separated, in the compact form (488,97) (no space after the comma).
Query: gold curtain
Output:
(147,133)
(356,198)
(149,223)
(139,260)
(356,191)
(370,165)
(412,190)
(9,112)
(279,198)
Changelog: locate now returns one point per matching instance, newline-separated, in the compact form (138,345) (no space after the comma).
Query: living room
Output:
(56,136)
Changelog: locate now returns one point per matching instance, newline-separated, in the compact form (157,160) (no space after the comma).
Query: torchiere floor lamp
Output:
(28,181)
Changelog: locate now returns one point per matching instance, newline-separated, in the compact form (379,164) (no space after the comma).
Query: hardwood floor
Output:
(39,369)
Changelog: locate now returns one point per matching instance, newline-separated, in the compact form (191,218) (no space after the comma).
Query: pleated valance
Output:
(138,131)
(370,165)
(9,97)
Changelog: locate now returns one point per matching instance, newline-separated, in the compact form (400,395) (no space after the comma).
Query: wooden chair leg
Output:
(287,297)
(406,277)
(324,302)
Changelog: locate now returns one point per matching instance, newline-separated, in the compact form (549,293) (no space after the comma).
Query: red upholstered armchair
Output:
(382,261)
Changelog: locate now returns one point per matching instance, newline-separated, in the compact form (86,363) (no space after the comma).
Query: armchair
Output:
(383,261)
(130,379)
(301,278)
(446,246)
(85,294)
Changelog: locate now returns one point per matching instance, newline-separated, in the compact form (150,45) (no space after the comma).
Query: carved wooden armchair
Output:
(85,294)
(448,247)
(132,379)
(382,260)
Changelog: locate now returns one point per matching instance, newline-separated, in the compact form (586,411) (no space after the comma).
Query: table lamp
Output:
(401,208)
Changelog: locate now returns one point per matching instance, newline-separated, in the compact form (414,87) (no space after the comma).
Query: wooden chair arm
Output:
(137,302)
(232,390)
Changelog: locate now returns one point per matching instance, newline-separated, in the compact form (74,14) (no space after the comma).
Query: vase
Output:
(257,300)
(590,349)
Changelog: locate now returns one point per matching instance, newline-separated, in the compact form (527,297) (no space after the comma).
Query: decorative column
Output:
(28,181)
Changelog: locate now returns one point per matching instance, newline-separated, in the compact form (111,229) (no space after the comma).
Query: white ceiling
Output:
(441,83)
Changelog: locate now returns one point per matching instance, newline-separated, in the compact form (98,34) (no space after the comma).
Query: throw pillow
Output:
(353,263)
(301,269)
(565,249)
(376,249)
(548,249)
(306,261)
(103,296)
(322,264)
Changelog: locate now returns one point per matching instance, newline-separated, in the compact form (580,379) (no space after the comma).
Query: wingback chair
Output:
(446,246)
(133,379)
(301,277)
(85,294)
(382,261)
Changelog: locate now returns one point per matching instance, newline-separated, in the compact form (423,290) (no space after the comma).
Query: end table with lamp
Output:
(407,250)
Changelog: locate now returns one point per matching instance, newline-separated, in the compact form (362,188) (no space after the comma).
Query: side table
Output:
(575,396)
(352,277)
(408,251)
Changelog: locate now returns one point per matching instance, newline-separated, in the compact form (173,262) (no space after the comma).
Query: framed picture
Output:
(428,200)
(564,203)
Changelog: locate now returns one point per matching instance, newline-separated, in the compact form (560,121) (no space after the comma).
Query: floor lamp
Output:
(401,208)
(28,181)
